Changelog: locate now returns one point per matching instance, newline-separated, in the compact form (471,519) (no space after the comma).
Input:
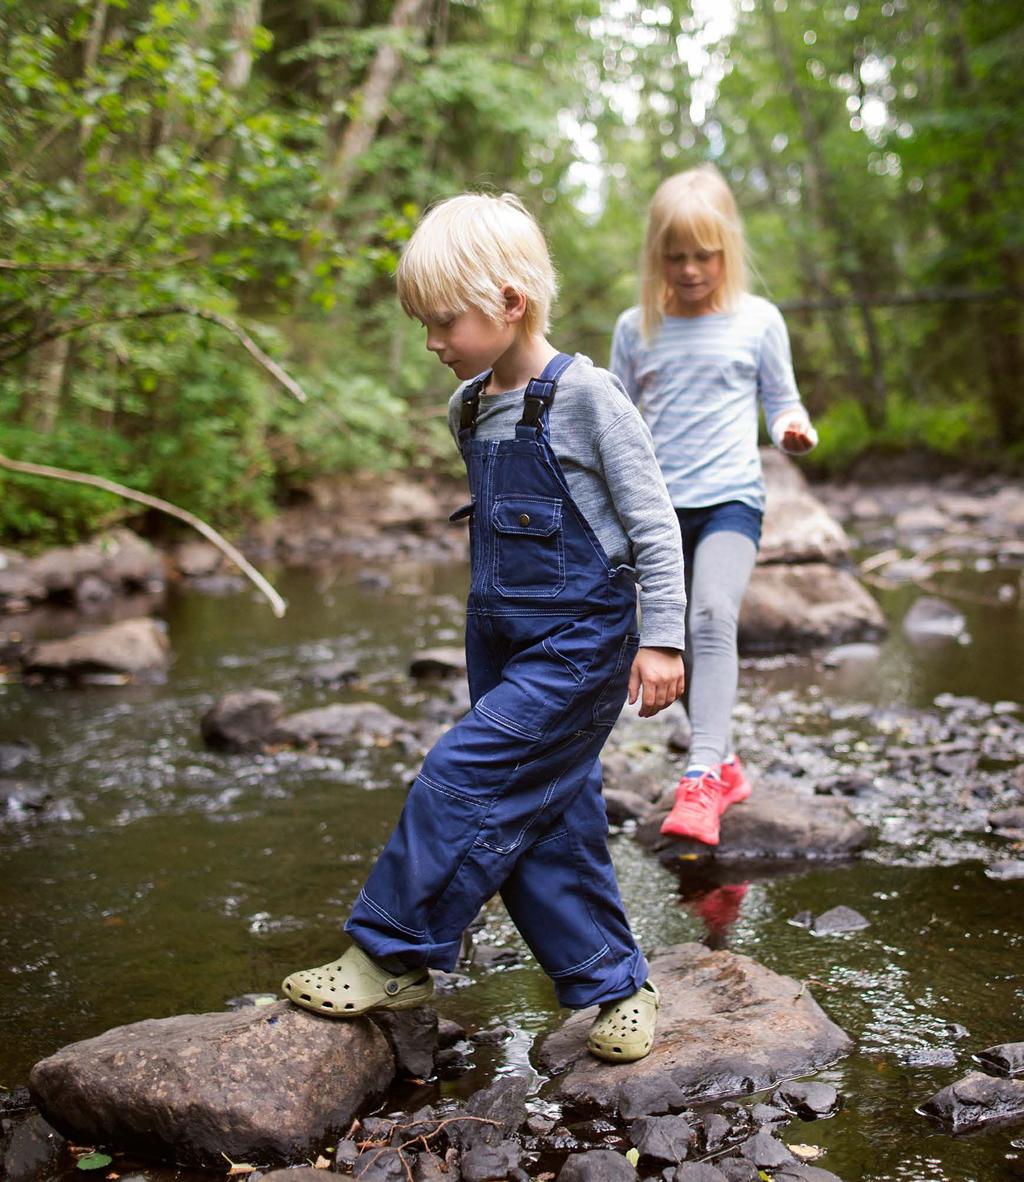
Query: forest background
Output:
(202,203)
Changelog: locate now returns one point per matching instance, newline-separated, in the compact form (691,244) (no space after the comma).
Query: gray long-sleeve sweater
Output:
(606,453)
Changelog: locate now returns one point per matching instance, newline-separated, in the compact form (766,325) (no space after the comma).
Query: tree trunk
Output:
(369,107)
(831,218)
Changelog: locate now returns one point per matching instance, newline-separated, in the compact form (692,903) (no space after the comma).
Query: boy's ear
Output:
(515,303)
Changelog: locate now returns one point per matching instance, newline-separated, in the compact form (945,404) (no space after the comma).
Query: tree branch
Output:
(119,490)
(236,330)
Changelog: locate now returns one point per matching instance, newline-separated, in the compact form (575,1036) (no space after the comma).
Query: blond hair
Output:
(692,208)
(466,250)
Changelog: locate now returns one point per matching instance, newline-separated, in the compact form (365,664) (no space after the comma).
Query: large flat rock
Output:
(792,606)
(265,1084)
(728,1026)
(770,824)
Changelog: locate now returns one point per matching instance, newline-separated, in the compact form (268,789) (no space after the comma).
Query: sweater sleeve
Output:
(776,382)
(641,501)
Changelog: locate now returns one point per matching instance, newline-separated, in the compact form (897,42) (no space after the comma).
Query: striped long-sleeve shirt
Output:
(698,385)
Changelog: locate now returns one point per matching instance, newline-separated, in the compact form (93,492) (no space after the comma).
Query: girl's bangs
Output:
(694,226)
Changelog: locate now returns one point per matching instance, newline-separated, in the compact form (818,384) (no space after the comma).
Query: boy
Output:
(567,497)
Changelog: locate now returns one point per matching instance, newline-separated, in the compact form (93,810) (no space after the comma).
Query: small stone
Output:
(597,1165)
(1006,1059)
(810,1101)
(765,1152)
(975,1101)
(837,920)
(664,1138)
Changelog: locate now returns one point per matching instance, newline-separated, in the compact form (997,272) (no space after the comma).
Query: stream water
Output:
(165,878)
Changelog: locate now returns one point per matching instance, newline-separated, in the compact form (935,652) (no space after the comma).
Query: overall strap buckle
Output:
(540,391)
(470,406)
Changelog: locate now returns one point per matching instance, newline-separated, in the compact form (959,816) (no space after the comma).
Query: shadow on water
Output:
(163,878)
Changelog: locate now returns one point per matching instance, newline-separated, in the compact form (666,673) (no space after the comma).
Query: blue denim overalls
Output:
(510,799)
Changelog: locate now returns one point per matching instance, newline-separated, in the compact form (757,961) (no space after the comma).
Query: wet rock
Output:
(715,1133)
(451,1062)
(663,1138)
(331,674)
(195,559)
(130,646)
(484,1162)
(727,1027)
(449,1032)
(294,1174)
(32,1151)
(921,519)
(430,1168)
(340,722)
(1005,871)
(797,526)
(242,721)
(931,619)
(92,592)
(648,1096)
(268,1083)
(770,825)
(768,1114)
(976,1101)
(497,1113)
(765,1151)
(846,784)
(839,919)
(19,797)
(1000,820)
(810,1101)
(738,1169)
(380,1165)
(792,607)
(493,1037)
(929,1057)
(19,589)
(436,664)
(486,956)
(800,1172)
(1005,1059)
(851,654)
(412,1035)
(597,1165)
(623,805)
(697,1171)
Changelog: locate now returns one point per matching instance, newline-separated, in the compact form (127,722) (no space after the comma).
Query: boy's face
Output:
(468,342)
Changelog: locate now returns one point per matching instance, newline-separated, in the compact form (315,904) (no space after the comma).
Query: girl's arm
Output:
(624,339)
(789,424)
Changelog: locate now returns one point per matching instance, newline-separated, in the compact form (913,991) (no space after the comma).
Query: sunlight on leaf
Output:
(93,1161)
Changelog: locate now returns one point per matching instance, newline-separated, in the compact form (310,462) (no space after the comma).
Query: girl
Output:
(696,356)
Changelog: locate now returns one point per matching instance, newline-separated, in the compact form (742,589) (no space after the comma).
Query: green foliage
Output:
(166,172)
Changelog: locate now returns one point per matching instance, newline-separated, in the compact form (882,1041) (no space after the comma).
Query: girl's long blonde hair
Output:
(695,208)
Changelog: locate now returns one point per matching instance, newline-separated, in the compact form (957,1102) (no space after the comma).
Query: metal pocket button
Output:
(524,519)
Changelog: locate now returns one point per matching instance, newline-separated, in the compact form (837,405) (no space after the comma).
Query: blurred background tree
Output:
(191,187)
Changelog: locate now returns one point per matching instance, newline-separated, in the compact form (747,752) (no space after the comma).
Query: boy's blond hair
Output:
(466,249)
(695,208)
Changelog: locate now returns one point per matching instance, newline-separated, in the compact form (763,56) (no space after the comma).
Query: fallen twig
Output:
(119,490)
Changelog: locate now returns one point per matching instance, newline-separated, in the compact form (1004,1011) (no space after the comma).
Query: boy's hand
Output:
(660,672)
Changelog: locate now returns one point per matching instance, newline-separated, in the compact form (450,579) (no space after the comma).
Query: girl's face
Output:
(468,342)
(692,275)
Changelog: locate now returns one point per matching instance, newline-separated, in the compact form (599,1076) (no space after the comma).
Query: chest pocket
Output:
(529,548)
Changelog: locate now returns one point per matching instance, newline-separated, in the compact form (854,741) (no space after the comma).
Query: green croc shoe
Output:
(354,984)
(623,1030)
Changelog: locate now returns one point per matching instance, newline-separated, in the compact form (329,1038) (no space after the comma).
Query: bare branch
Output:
(119,490)
(93,268)
(236,330)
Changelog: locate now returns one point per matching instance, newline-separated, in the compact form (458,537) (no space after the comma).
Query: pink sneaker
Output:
(736,786)
(696,810)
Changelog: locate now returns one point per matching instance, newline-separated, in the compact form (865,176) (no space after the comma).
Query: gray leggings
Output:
(715,582)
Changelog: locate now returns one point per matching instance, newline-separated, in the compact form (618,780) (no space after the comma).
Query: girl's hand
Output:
(660,672)
(797,435)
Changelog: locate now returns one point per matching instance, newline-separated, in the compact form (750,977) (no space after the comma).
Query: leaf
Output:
(237,1167)
(93,1161)
(806,1152)
(322,1163)
(632,1156)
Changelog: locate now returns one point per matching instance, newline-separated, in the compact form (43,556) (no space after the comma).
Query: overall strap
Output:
(540,392)
(470,406)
